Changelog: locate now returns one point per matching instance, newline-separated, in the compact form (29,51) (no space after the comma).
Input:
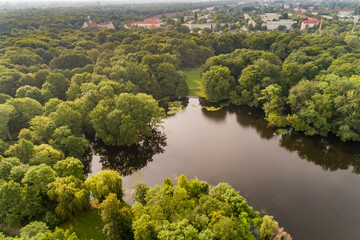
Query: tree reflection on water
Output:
(328,152)
(129,159)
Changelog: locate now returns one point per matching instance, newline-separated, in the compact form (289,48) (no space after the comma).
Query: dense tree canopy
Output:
(121,121)
(63,88)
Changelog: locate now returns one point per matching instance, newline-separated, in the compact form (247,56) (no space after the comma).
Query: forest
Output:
(63,87)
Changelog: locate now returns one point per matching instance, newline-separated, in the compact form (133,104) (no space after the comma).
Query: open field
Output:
(87,225)
(193,79)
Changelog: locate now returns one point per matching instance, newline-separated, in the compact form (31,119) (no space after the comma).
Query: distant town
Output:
(249,17)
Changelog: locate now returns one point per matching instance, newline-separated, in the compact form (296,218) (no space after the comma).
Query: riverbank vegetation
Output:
(309,84)
(192,209)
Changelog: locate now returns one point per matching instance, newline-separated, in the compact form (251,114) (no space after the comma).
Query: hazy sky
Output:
(49,2)
(11,2)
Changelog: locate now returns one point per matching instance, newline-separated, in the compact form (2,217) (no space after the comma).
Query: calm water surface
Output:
(310,184)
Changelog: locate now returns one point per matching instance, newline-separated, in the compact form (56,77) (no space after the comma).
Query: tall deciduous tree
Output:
(217,83)
(7,112)
(117,217)
(104,183)
(11,204)
(23,150)
(26,109)
(70,167)
(70,194)
(122,122)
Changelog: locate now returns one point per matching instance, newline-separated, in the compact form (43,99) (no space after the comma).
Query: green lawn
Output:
(193,79)
(87,225)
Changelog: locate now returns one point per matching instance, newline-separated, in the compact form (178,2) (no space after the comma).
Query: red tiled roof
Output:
(303,16)
(105,23)
(90,24)
(311,21)
(148,21)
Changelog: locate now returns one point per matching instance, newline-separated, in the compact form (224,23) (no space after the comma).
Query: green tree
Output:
(26,109)
(130,116)
(70,61)
(217,83)
(8,85)
(28,80)
(30,92)
(11,204)
(57,84)
(70,167)
(7,112)
(44,153)
(6,166)
(140,192)
(18,172)
(117,218)
(70,194)
(23,150)
(178,230)
(67,114)
(104,183)
(291,74)
(59,234)
(39,177)
(34,229)
(268,228)
(70,145)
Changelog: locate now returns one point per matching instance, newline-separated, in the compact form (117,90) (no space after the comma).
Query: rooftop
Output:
(311,21)
(148,21)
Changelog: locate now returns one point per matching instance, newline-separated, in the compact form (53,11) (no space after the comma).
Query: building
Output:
(302,16)
(276,24)
(211,26)
(148,23)
(345,14)
(268,17)
(107,25)
(327,17)
(250,20)
(206,16)
(89,24)
(310,23)
(92,24)
(192,26)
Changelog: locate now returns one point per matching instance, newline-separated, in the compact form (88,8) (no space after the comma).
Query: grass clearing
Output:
(193,80)
(87,225)
(196,93)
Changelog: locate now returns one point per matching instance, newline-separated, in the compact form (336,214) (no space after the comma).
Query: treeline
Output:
(308,84)
(73,18)
(90,71)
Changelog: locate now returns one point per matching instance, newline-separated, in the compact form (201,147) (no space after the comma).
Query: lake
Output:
(311,185)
